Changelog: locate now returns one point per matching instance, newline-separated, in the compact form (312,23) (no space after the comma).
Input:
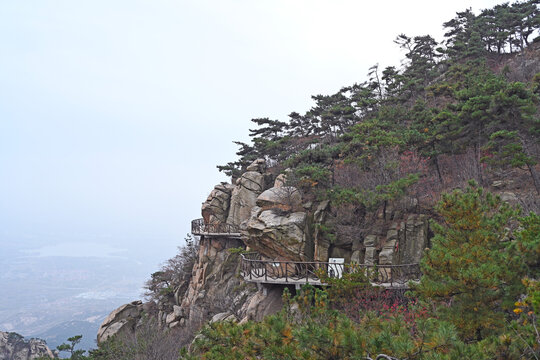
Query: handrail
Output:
(199,227)
(255,269)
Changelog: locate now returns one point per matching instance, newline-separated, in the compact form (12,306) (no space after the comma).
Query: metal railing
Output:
(199,227)
(254,268)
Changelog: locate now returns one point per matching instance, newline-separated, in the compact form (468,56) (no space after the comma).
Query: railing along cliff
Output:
(255,269)
(199,227)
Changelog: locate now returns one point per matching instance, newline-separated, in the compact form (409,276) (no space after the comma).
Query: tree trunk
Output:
(535,178)
(478,164)
(534,175)
(436,162)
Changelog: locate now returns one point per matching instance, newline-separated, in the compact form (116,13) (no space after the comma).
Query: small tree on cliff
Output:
(175,273)
(70,348)
(470,271)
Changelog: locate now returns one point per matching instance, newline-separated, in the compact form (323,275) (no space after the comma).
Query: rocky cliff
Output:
(14,347)
(274,220)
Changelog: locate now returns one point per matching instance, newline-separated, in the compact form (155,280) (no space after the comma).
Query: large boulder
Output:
(244,195)
(277,234)
(122,320)
(216,207)
(284,197)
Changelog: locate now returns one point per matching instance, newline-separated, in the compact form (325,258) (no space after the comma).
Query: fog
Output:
(114,114)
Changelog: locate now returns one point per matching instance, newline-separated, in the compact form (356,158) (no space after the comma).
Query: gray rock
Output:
(277,235)
(413,238)
(244,197)
(120,326)
(14,347)
(370,241)
(216,207)
(286,196)
(356,256)
(258,165)
(224,316)
(122,319)
(391,235)
(499,184)
(280,181)
(170,318)
(508,197)
(371,253)
(386,256)
(177,311)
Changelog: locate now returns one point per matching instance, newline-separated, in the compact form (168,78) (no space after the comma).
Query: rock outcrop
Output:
(276,226)
(276,235)
(283,197)
(121,321)
(14,347)
(216,208)
(244,195)
(216,286)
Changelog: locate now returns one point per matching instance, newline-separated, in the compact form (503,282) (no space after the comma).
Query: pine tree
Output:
(470,271)
(70,348)
(528,244)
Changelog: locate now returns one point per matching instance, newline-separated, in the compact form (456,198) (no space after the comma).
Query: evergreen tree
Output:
(70,348)
(528,244)
(432,132)
(470,271)
(458,33)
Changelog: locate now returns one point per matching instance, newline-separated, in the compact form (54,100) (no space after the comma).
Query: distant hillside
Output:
(59,333)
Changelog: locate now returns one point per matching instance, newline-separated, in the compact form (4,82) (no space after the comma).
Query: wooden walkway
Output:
(298,273)
(200,228)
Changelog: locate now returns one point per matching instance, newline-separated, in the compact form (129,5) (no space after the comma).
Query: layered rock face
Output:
(14,347)
(216,208)
(215,286)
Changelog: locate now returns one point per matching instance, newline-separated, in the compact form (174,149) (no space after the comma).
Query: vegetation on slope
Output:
(368,142)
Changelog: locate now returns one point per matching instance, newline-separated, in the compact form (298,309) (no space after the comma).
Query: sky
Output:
(114,114)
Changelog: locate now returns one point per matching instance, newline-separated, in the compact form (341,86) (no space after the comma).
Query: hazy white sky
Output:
(114,114)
